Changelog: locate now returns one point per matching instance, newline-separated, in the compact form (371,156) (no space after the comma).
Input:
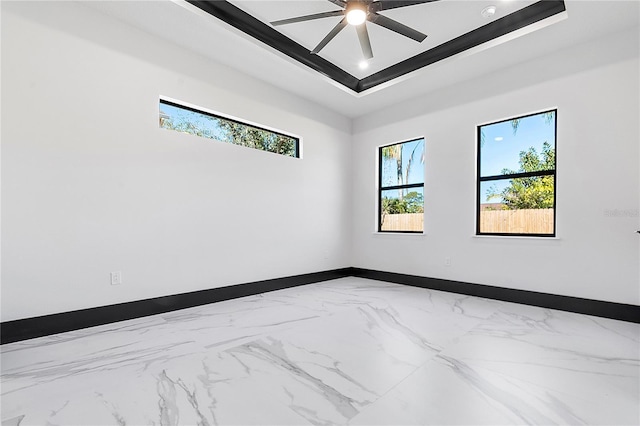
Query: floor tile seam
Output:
(430,359)
(484,362)
(98,370)
(213,348)
(294,326)
(116,353)
(263,391)
(489,364)
(292,318)
(264,388)
(277,335)
(456,340)
(392,388)
(534,391)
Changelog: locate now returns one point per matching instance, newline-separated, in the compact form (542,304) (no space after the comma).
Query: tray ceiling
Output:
(608,27)
(452,28)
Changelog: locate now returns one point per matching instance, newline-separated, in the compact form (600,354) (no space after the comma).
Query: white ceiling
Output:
(388,46)
(181,23)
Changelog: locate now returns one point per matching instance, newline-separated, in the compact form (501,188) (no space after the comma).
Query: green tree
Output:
(412,202)
(192,125)
(394,152)
(229,131)
(253,137)
(535,192)
(392,206)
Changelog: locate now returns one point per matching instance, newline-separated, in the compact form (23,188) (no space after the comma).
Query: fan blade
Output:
(396,26)
(308,17)
(340,3)
(394,4)
(334,32)
(365,42)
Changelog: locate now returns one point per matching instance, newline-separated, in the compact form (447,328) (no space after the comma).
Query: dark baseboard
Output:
(617,311)
(29,328)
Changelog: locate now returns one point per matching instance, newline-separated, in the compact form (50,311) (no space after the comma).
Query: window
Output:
(207,125)
(516,192)
(401,187)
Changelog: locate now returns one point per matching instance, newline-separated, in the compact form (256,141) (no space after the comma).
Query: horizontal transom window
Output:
(181,118)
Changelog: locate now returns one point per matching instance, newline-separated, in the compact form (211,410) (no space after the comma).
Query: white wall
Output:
(91,185)
(595,255)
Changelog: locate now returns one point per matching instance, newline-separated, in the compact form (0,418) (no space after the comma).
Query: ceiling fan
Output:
(356,13)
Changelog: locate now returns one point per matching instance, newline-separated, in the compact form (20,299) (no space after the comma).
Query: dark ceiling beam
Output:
(500,27)
(257,29)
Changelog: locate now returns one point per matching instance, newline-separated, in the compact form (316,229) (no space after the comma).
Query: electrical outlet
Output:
(116,278)
(447,261)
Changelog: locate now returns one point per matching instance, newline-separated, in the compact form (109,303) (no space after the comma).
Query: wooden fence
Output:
(533,221)
(403,222)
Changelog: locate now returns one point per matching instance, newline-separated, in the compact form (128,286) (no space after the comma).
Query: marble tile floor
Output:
(343,352)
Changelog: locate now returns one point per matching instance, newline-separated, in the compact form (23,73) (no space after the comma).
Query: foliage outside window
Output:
(401,187)
(517,176)
(190,120)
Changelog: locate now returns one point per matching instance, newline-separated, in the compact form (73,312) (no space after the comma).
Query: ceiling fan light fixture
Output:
(356,13)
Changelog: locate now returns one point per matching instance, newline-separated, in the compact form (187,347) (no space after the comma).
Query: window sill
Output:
(410,234)
(516,237)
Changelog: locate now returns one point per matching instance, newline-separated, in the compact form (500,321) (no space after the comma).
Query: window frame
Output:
(396,187)
(221,116)
(553,173)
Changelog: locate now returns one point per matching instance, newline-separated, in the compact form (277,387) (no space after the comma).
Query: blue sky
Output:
(178,115)
(416,173)
(501,148)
